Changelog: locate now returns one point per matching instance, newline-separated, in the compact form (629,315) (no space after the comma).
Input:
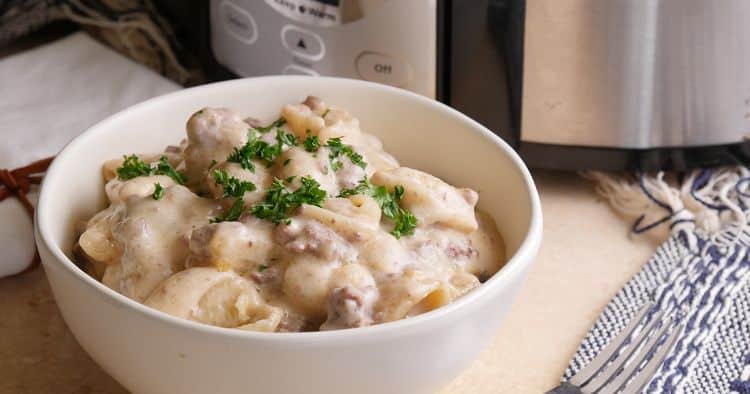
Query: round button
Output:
(377,67)
(294,69)
(303,43)
(239,23)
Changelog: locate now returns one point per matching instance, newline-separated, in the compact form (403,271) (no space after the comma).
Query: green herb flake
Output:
(256,149)
(357,159)
(242,156)
(233,187)
(338,149)
(311,142)
(363,187)
(404,222)
(133,167)
(262,267)
(164,168)
(158,191)
(213,163)
(287,161)
(279,202)
(325,113)
(275,124)
(283,138)
(233,214)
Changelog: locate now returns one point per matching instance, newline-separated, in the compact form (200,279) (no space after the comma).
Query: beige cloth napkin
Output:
(48,96)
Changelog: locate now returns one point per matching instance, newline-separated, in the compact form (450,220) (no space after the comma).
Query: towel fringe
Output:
(715,202)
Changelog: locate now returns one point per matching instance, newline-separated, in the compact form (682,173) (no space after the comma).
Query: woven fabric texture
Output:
(700,276)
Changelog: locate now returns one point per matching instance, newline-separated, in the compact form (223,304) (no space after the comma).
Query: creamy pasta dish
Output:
(304,223)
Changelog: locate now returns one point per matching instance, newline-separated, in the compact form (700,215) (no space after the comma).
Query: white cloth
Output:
(49,95)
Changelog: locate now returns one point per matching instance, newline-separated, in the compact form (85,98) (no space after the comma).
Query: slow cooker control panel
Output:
(385,41)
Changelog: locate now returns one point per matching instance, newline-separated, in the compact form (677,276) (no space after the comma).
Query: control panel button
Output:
(376,67)
(303,43)
(239,23)
(294,69)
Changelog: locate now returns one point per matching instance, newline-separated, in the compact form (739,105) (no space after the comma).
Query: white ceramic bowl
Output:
(151,352)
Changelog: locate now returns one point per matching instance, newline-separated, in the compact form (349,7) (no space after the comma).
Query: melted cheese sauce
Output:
(331,267)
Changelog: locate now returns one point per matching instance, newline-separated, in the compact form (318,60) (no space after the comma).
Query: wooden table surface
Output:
(586,256)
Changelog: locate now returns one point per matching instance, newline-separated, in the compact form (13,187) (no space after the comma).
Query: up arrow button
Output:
(303,43)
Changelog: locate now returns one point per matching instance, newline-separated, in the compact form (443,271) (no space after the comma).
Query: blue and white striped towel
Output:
(701,274)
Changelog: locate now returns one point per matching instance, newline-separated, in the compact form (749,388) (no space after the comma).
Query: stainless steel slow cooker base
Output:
(560,157)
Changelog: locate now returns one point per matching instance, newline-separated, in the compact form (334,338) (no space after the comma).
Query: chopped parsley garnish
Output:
(262,267)
(275,124)
(404,221)
(233,187)
(133,167)
(213,163)
(339,149)
(363,187)
(283,138)
(404,224)
(243,156)
(158,191)
(325,112)
(261,150)
(233,214)
(287,161)
(336,165)
(164,168)
(311,142)
(279,202)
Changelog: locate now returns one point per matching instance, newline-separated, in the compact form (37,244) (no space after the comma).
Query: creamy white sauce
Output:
(331,267)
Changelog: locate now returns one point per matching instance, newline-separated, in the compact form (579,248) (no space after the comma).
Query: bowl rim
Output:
(524,255)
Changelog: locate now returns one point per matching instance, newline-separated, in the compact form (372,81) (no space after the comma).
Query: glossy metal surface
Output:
(636,74)
(627,373)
